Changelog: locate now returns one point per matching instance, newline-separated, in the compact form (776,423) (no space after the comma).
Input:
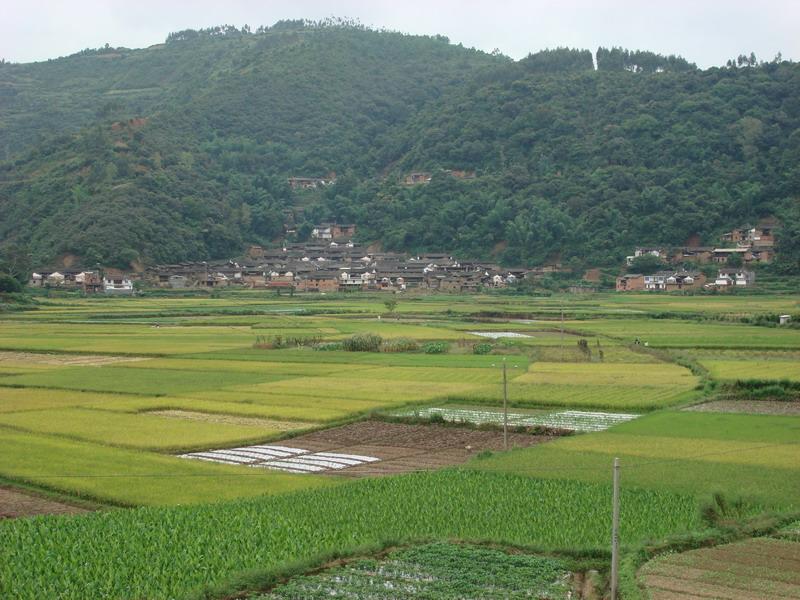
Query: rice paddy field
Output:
(100,398)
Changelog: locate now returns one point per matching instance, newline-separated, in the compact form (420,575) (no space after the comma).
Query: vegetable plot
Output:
(574,420)
(439,571)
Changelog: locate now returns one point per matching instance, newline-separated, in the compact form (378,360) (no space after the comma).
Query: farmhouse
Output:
(417,178)
(762,235)
(694,254)
(645,251)
(734,278)
(663,281)
(310,183)
(333,232)
(323,281)
(117,286)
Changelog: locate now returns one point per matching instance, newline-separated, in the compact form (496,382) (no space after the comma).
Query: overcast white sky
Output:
(707,32)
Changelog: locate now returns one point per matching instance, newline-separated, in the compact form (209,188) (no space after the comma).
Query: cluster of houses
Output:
(670,281)
(109,281)
(332,262)
(752,244)
(334,267)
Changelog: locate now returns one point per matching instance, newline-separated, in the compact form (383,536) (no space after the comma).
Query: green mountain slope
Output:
(182,151)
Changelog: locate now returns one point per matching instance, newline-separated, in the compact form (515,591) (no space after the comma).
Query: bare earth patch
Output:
(754,569)
(231,420)
(14,503)
(402,447)
(756,407)
(88,360)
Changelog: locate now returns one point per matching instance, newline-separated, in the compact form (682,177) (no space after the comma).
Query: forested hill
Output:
(182,150)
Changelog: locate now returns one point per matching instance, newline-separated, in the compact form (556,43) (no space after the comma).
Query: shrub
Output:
(327,346)
(362,342)
(8,284)
(482,348)
(276,342)
(721,511)
(400,345)
(435,348)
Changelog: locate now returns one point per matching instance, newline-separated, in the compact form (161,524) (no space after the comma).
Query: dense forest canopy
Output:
(182,150)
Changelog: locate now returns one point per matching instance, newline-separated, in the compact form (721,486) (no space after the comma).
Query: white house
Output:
(657,252)
(322,233)
(120,286)
(735,278)
(655,282)
(55,278)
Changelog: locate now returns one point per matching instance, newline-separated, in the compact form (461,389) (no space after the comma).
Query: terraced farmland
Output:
(99,397)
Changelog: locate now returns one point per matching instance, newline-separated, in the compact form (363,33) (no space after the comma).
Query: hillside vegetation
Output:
(182,150)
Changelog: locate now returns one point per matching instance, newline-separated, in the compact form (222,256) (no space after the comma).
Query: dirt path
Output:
(402,447)
(754,569)
(755,407)
(15,503)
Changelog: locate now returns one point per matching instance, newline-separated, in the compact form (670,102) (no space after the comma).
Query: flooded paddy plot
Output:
(496,335)
(573,420)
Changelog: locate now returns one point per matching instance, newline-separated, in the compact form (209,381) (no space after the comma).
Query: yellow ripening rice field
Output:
(753,369)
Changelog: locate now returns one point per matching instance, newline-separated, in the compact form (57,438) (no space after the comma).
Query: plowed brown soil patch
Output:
(14,503)
(402,447)
(231,420)
(64,359)
(756,569)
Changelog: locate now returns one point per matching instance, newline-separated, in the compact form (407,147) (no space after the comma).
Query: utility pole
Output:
(562,335)
(615,533)
(505,407)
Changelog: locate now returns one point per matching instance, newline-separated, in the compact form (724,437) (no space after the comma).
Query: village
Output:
(742,248)
(332,262)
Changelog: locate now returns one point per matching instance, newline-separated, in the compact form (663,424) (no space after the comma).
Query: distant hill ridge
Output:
(183,150)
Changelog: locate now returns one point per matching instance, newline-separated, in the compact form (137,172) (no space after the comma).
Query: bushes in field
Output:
(400,345)
(277,342)
(362,342)
(370,342)
(327,346)
(482,348)
(721,511)
(435,348)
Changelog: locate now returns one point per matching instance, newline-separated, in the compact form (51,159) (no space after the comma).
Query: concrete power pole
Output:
(615,533)
(505,407)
